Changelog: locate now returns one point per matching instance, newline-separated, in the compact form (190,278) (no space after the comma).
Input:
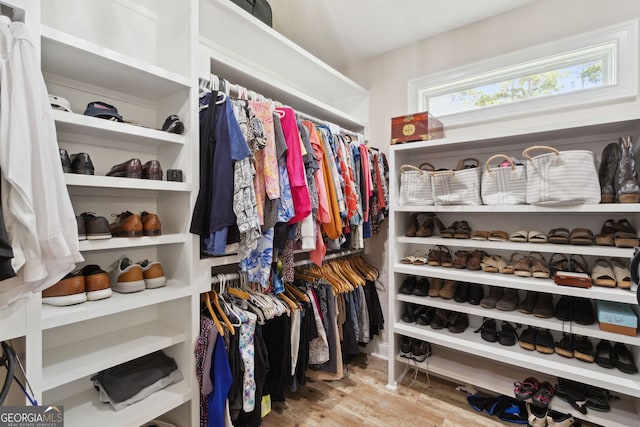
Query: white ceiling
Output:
(340,31)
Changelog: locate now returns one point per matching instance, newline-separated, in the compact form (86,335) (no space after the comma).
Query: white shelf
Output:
(85,409)
(276,66)
(499,378)
(83,61)
(592,331)
(132,242)
(70,362)
(97,181)
(505,136)
(53,316)
(553,364)
(517,282)
(572,209)
(107,133)
(594,250)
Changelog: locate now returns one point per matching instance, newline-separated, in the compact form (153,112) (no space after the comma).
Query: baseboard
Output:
(377,348)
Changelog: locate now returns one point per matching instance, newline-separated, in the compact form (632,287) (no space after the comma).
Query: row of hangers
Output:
(344,274)
(224,87)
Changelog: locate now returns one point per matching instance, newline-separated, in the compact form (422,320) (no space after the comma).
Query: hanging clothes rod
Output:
(12,12)
(216,279)
(239,89)
(329,257)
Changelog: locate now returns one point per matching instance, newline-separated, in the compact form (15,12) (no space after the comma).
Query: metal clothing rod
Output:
(329,257)
(237,89)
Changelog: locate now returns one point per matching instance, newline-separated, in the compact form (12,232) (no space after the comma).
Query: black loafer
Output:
(421,288)
(408,285)
(81,163)
(476,294)
(604,355)
(623,360)
(458,323)
(426,316)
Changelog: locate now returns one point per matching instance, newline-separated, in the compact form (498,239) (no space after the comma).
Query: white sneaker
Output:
(126,277)
(153,274)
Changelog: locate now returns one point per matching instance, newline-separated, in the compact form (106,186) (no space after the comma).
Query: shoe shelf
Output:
(52,316)
(85,409)
(71,361)
(132,242)
(552,364)
(96,181)
(499,378)
(74,58)
(594,250)
(554,324)
(572,209)
(95,131)
(517,282)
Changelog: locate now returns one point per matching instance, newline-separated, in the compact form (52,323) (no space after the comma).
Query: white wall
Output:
(386,76)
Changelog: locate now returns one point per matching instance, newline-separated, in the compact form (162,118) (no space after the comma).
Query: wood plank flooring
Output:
(361,399)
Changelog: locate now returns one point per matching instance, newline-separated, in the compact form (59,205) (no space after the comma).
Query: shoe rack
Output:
(465,357)
(144,69)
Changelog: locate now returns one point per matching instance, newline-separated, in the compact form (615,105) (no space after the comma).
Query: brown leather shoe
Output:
(96,282)
(68,291)
(153,274)
(628,188)
(152,170)
(129,169)
(150,224)
(127,224)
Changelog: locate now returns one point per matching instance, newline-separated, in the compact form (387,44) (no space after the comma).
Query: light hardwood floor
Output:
(361,399)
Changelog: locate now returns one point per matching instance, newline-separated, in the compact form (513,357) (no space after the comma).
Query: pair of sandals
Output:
(577,236)
(493,236)
(457,230)
(534,236)
(471,260)
(583,397)
(532,265)
(540,393)
(507,335)
(617,233)
(574,263)
(611,273)
(537,339)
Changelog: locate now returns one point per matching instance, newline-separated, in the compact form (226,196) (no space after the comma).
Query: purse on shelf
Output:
(561,177)
(458,187)
(415,185)
(504,185)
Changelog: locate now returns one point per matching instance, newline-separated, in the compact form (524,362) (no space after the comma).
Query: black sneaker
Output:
(405,347)
(421,350)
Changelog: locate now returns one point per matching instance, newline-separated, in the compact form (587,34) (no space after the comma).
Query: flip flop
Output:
(559,235)
(519,236)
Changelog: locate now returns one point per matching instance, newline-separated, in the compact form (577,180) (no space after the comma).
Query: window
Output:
(599,66)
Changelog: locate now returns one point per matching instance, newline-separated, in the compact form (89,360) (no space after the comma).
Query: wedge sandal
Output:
(622,273)
(539,267)
(625,235)
(522,267)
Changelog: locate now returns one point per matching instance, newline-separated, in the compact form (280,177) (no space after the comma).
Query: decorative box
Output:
(415,127)
(617,317)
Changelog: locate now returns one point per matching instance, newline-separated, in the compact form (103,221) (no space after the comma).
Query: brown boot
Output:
(412,228)
(608,173)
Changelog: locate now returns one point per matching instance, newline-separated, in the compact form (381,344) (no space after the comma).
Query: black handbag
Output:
(258,8)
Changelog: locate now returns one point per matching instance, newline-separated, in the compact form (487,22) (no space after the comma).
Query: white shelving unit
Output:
(466,357)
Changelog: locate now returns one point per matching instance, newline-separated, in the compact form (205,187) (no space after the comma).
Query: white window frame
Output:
(624,37)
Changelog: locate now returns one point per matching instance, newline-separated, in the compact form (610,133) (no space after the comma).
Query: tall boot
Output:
(628,188)
(608,173)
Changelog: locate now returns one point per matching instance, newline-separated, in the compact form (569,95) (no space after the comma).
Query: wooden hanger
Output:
(207,300)
(300,296)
